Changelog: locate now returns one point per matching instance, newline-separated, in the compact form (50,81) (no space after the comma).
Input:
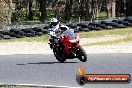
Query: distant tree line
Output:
(68,10)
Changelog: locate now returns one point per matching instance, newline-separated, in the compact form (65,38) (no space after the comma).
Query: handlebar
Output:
(54,37)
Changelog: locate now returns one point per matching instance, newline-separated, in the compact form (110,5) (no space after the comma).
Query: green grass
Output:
(42,38)
(125,31)
(126,39)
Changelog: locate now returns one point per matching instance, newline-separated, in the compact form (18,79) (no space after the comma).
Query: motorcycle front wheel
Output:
(60,57)
(81,54)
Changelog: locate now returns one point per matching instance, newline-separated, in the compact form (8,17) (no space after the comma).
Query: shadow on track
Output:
(50,63)
(39,63)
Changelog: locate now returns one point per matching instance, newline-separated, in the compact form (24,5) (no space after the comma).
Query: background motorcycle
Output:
(68,47)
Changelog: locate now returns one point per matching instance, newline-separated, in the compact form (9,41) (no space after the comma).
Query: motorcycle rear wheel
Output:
(82,56)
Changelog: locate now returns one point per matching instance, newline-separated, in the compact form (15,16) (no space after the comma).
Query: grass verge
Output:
(126,39)
(42,38)
(91,34)
(125,31)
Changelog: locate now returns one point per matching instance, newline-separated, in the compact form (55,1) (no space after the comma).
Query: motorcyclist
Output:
(55,30)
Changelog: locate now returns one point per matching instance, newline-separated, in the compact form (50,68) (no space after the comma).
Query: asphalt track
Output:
(45,69)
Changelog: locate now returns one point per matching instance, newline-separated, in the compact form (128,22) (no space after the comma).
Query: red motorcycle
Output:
(68,47)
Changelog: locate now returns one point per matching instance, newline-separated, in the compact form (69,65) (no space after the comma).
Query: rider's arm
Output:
(50,30)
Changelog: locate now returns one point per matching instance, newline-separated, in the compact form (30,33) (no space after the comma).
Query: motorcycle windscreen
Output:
(70,33)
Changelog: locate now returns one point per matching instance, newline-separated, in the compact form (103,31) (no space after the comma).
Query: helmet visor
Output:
(54,23)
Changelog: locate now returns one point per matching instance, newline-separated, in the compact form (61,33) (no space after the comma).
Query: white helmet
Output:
(54,21)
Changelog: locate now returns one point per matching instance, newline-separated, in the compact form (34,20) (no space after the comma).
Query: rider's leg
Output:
(55,41)
(61,45)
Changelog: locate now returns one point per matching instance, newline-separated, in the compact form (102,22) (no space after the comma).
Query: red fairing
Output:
(66,44)
(77,46)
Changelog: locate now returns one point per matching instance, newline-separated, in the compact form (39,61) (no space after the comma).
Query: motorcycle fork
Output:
(73,50)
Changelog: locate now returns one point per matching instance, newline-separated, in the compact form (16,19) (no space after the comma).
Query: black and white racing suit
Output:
(56,31)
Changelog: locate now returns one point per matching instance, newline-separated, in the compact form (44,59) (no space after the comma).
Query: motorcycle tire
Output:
(59,57)
(81,80)
(82,56)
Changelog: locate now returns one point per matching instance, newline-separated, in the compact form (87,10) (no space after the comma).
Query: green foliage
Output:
(19,16)
(50,14)
(36,15)
(103,15)
(71,10)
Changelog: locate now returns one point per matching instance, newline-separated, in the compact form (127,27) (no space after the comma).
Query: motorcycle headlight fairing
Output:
(73,41)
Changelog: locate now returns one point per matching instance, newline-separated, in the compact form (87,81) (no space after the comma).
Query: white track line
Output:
(36,85)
